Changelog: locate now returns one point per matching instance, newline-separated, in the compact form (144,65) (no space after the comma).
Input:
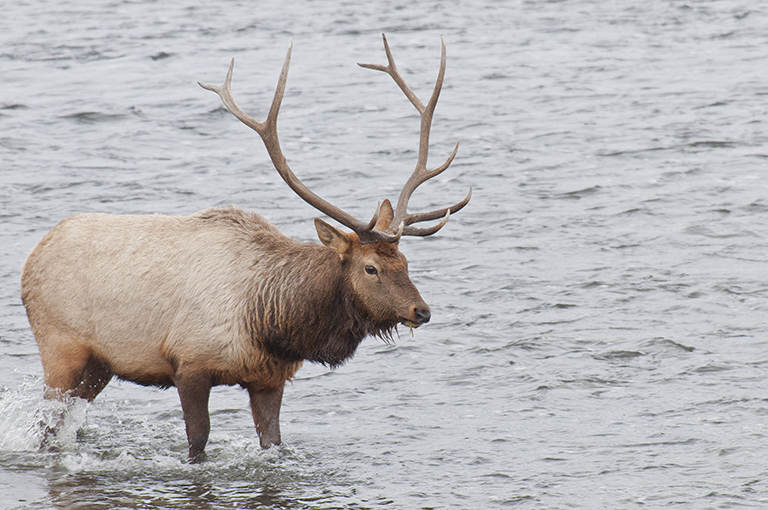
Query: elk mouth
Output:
(410,323)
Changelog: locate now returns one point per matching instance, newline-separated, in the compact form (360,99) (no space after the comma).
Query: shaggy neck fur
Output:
(299,305)
(306,311)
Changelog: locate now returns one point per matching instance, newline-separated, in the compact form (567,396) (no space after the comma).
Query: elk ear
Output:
(332,237)
(386,214)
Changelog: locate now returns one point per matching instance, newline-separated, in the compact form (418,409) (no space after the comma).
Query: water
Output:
(599,309)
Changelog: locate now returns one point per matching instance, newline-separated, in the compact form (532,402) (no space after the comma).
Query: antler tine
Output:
(225,92)
(420,173)
(433,215)
(268,132)
(391,69)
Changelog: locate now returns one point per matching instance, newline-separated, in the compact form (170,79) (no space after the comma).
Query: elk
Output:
(222,297)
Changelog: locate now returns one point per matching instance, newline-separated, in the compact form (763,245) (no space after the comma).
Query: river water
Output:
(599,333)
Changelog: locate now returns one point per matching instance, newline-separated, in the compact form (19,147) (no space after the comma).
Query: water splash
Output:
(25,416)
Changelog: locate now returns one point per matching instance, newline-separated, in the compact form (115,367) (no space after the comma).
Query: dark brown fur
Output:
(308,310)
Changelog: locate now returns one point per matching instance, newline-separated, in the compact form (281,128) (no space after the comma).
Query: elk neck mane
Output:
(298,302)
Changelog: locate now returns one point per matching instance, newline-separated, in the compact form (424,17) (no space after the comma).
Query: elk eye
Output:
(371,270)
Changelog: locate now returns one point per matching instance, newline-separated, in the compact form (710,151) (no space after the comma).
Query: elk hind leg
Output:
(95,378)
(64,361)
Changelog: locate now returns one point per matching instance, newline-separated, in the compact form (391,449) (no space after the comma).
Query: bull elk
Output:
(222,297)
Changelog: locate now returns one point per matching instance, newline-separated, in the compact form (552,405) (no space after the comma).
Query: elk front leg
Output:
(265,406)
(194,392)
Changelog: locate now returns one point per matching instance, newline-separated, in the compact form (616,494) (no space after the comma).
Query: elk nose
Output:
(422,314)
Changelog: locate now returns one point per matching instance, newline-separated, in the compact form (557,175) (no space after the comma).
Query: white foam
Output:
(25,415)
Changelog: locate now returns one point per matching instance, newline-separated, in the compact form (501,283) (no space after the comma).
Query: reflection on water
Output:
(180,486)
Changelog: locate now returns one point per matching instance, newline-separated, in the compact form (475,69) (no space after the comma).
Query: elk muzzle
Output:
(420,315)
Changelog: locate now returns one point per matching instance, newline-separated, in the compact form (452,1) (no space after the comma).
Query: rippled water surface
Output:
(599,309)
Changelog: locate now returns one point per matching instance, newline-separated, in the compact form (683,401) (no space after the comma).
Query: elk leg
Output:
(64,361)
(96,376)
(265,406)
(194,392)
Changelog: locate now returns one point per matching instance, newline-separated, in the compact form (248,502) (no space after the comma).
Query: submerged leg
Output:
(194,392)
(64,360)
(265,406)
(94,378)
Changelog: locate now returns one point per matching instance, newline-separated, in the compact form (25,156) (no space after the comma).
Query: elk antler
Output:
(402,220)
(366,232)
(268,132)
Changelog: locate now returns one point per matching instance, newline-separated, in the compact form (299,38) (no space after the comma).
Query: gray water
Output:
(599,309)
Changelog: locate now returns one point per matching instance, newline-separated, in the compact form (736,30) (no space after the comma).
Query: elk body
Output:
(222,297)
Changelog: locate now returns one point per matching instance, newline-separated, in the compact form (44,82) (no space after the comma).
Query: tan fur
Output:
(218,297)
(146,293)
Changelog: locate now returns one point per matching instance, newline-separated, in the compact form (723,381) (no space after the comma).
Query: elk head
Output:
(378,275)
(376,269)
